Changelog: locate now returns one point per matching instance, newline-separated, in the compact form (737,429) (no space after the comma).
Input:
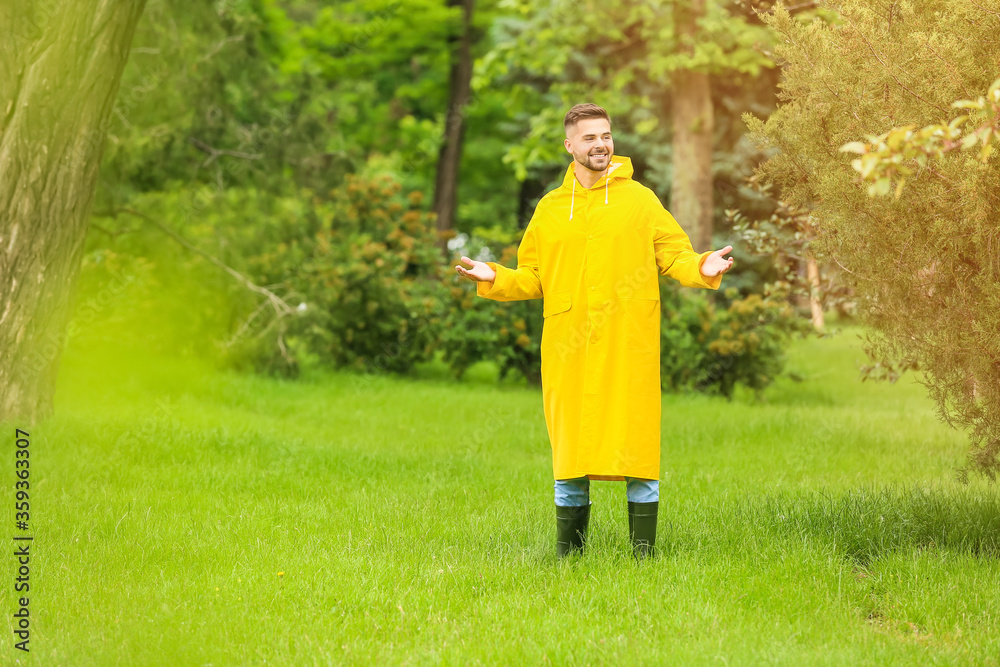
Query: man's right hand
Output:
(480,271)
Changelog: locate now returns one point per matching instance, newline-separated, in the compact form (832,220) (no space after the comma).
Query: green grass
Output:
(185,516)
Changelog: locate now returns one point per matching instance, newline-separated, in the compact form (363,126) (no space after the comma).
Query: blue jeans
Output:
(576,492)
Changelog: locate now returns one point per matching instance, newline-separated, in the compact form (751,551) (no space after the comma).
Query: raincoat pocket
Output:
(556,303)
(639,318)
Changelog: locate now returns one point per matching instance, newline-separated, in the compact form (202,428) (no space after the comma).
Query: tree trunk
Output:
(815,302)
(62,62)
(450,157)
(693,125)
(531,189)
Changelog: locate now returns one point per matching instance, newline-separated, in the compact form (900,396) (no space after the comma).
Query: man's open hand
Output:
(480,271)
(715,264)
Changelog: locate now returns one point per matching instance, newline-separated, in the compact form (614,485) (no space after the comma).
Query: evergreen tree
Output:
(925,265)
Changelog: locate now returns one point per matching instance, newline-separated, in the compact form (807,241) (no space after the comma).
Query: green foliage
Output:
(685,330)
(351,279)
(276,97)
(508,334)
(367,272)
(714,350)
(549,56)
(749,341)
(924,266)
(200,103)
(233,115)
(786,239)
(897,154)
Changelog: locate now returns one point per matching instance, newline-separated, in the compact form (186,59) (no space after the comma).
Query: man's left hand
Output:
(715,264)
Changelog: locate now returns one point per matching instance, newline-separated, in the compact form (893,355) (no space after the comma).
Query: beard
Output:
(594,162)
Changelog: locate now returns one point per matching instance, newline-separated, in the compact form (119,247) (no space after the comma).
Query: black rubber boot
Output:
(642,528)
(571,529)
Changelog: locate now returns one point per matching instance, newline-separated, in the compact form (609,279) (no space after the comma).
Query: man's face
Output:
(590,143)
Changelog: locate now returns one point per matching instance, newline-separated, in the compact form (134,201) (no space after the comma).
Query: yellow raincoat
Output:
(594,256)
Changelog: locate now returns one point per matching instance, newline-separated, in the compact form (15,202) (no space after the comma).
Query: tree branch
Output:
(889,70)
(219,46)
(973,2)
(801,7)
(214,153)
(834,258)
(281,307)
(110,233)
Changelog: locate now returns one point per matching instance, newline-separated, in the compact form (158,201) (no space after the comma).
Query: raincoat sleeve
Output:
(674,255)
(520,283)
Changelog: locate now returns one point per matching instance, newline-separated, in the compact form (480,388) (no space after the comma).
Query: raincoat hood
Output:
(619,168)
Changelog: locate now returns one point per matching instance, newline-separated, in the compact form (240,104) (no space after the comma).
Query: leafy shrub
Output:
(508,333)
(375,280)
(686,327)
(712,349)
(365,289)
(364,273)
(748,341)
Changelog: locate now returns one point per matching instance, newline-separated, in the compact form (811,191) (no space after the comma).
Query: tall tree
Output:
(62,64)
(693,124)
(620,55)
(459,87)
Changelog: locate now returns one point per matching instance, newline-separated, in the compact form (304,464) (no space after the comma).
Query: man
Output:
(594,250)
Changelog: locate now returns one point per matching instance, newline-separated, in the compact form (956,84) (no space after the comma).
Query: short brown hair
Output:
(582,112)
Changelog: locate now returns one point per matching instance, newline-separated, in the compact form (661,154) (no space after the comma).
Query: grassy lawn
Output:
(185,516)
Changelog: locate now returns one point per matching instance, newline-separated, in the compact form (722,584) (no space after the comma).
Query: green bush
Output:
(360,268)
(747,342)
(686,327)
(924,266)
(366,289)
(507,333)
(371,279)
(714,349)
